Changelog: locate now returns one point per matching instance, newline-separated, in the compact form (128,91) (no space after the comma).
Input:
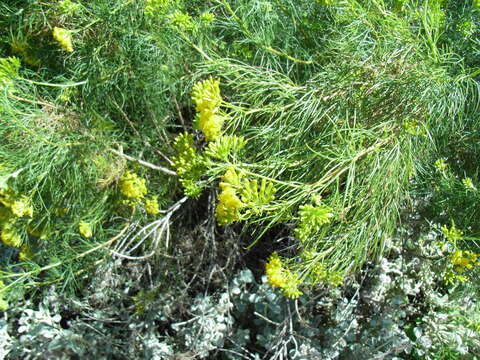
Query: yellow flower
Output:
(210,124)
(281,277)
(206,94)
(157,7)
(10,236)
(441,165)
(207,18)
(462,260)
(182,20)
(22,208)
(452,234)
(151,206)
(85,229)
(64,38)
(207,98)
(274,271)
(228,207)
(468,183)
(25,253)
(290,288)
(230,178)
(68,7)
(133,186)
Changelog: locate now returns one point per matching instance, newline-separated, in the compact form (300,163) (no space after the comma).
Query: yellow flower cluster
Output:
(452,234)
(189,164)
(229,204)
(151,206)
(278,275)
(468,184)
(64,38)
(21,208)
(10,236)
(312,218)
(207,98)
(228,207)
(206,94)
(441,165)
(207,18)
(85,229)
(210,123)
(13,208)
(462,260)
(132,186)
(157,7)
(182,20)
(68,7)
(241,193)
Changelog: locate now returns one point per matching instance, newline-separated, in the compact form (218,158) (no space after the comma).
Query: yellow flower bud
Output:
(63,38)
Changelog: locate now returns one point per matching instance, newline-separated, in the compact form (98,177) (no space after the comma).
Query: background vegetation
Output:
(239,179)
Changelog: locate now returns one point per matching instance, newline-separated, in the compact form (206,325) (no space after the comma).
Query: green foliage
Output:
(8,72)
(226,148)
(311,220)
(320,125)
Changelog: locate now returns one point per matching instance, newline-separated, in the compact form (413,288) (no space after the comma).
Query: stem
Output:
(56,85)
(144,163)
(32,101)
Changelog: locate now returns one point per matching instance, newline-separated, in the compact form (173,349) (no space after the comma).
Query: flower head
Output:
(312,218)
(206,94)
(132,186)
(278,275)
(22,207)
(207,18)
(85,229)
(440,165)
(182,20)
(210,123)
(468,183)
(228,207)
(10,236)
(151,206)
(63,38)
